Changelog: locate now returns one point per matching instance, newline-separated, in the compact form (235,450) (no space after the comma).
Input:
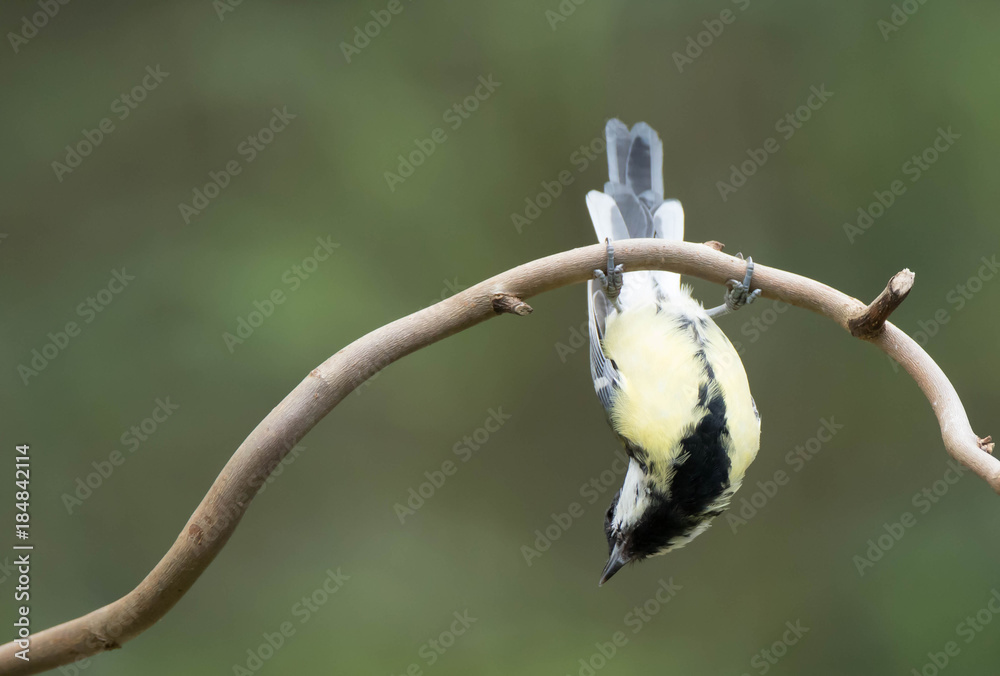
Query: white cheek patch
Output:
(634,498)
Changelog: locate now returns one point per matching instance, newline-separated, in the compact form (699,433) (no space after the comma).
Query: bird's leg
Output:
(738,295)
(611,282)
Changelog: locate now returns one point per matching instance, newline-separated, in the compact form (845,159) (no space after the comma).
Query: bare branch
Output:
(215,519)
(871,322)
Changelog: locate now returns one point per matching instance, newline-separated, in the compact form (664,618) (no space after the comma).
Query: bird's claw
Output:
(738,294)
(611,281)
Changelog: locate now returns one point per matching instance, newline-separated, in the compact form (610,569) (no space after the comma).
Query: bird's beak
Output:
(617,559)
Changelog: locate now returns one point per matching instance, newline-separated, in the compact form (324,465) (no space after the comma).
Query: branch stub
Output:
(871,322)
(505,302)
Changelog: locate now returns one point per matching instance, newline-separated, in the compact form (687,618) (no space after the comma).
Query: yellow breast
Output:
(662,357)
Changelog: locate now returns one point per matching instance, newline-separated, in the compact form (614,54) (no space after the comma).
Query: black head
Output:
(653,527)
(663,505)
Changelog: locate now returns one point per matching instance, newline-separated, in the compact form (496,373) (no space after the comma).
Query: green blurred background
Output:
(448,226)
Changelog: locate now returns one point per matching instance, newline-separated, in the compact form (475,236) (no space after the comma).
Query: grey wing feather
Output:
(602,370)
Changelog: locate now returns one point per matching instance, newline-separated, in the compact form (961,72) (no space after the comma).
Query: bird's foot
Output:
(739,293)
(611,281)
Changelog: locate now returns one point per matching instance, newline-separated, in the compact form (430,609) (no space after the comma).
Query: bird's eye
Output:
(610,514)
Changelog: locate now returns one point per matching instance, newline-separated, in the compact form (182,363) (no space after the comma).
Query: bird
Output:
(672,385)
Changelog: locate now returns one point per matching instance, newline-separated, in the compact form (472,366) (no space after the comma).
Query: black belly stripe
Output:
(709,371)
(704,475)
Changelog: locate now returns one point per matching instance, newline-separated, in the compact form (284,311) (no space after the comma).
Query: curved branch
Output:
(215,519)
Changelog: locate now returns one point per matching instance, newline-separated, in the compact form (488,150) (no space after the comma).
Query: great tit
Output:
(671,383)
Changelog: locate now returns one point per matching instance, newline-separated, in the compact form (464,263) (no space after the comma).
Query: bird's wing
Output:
(602,370)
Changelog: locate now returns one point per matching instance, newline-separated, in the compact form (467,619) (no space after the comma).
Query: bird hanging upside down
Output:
(671,383)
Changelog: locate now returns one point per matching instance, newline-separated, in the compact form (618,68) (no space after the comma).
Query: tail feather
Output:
(668,224)
(607,219)
(638,220)
(644,171)
(668,221)
(632,204)
(618,142)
